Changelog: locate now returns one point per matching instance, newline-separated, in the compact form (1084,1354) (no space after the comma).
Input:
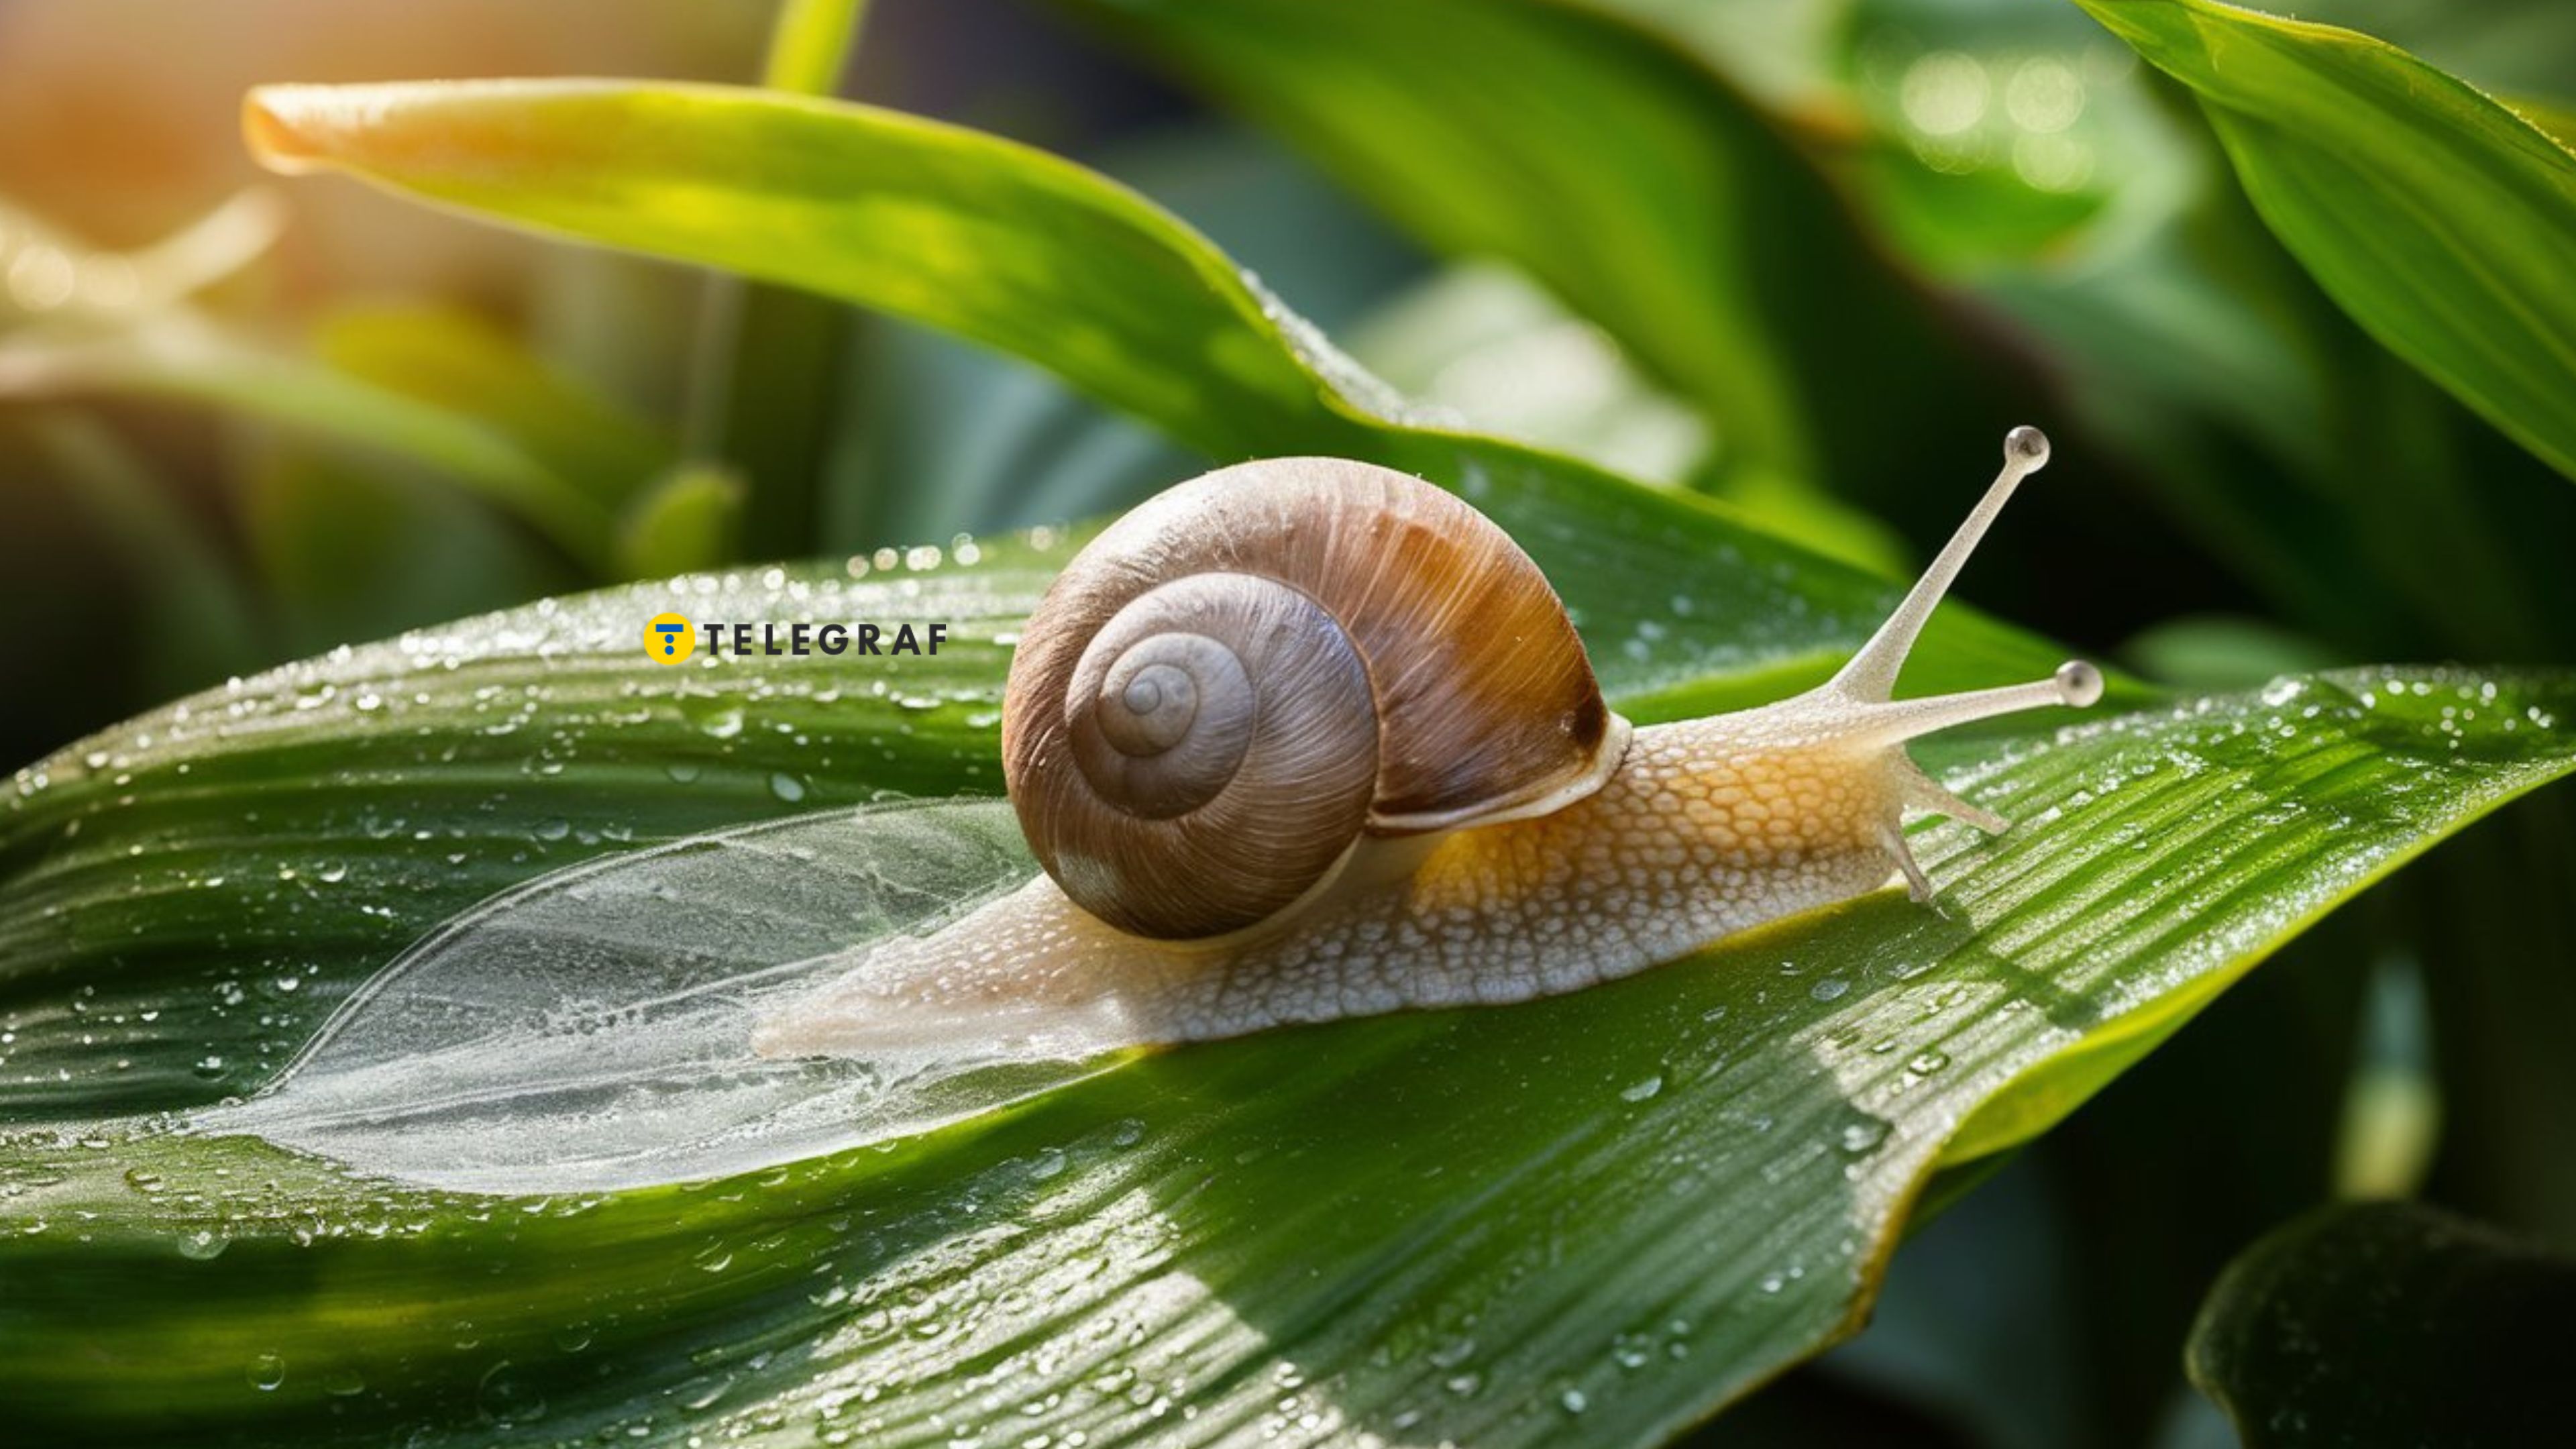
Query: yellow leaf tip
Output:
(283,126)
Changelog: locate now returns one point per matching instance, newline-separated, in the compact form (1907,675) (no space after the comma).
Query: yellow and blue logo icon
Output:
(670,638)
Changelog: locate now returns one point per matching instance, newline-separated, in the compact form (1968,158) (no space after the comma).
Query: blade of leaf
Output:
(1622,173)
(2387,1324)
(1613,1210)
(973,235)
(2436,217)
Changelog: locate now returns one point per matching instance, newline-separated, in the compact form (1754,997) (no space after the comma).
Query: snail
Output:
(1306,739)
(1295,741)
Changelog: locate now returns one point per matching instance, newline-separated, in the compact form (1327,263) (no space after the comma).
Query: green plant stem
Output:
(768,359)
(810,45)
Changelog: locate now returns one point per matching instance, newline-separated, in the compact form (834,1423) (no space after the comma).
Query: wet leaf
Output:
(1620,1208)
(2433,214)
(2389,1323)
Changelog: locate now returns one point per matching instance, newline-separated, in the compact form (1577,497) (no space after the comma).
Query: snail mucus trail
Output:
(1307,739)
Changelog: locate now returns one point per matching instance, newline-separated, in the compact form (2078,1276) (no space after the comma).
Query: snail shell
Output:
(1246,675)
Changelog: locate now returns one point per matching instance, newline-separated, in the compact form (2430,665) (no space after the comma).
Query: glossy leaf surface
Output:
(2436,216)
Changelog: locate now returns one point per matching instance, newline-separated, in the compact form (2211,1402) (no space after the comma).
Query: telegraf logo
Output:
(672,638)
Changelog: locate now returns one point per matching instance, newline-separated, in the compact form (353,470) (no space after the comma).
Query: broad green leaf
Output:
(2389,1324)
(961,231)
(2503,47)
(1603,1215)
(2436,217)
(1638,186)
(995,242)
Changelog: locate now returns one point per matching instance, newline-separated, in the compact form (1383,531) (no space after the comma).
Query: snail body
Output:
(1308,739)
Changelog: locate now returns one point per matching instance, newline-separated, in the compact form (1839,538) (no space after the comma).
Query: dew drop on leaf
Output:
(265,1372)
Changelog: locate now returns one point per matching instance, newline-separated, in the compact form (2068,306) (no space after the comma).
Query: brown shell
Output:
(1483,699)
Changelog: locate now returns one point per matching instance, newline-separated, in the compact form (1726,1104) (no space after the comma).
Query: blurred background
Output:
(243,422)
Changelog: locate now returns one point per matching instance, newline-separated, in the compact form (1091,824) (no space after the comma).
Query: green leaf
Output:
(2555,118)
(2389,1324)
(2436,217)
(1601,1215)
(2335,481)
(992,241)
(1629,179)
(2503,47)
(1604,167)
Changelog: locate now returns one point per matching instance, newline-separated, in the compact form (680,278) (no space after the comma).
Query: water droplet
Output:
(265,1372)
(786,787)
(506,1398)
(1829,989)
(1574,1401)
(703,1394)
(1641,1091)
(1863,1135)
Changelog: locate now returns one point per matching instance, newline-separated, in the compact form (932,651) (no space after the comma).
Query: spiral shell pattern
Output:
(1240,678)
